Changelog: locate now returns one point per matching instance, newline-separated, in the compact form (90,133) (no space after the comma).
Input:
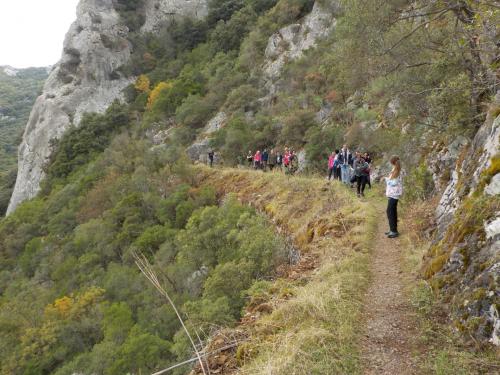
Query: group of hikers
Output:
(350,168)
(343,165)
(288,160)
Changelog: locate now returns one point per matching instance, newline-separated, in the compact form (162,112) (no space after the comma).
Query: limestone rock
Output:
(216,123)
(290,42)
(492,228)
(494,186)
(86,79)
(471,275)
(198,151)
(159,11)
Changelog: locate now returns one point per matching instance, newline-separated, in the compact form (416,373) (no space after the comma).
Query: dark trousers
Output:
(361,180)
(338,174)
(392,214)
(331,172)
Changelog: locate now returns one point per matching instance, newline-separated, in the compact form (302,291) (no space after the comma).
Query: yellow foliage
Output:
(142,84)
(63,305)
(153,96)
(70,307)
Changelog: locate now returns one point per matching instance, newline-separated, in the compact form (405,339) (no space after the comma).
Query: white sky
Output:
(32,31)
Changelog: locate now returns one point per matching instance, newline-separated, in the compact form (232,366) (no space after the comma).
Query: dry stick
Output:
(195,358)
(142,262)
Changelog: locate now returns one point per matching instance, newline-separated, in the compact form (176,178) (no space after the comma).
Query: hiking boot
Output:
(393,235)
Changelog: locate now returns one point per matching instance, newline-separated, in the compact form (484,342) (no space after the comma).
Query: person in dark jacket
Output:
(250,159)
(279,160)
(336,165)
(264,160)
(211,158)
(361,171)
(272,160)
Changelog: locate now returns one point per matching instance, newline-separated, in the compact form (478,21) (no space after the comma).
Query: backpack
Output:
(394,188)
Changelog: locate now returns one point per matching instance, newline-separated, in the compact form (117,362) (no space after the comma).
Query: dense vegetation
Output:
(17,95)
(67,263)
(71,297)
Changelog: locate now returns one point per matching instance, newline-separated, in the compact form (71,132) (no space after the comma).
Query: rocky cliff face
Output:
(286,45)
(290,43)
(87,79)
(465,260)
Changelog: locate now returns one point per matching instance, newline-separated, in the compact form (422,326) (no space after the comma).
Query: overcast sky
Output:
(32,31)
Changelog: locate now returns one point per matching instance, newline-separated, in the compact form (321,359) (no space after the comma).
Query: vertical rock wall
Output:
(87,79)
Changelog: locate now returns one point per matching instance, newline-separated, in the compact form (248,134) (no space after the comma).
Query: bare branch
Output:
(147,270)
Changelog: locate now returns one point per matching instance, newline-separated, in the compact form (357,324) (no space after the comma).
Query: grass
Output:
(315,329)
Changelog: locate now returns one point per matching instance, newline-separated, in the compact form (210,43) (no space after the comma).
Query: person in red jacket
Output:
(286,158)
(257,158)
(331,165)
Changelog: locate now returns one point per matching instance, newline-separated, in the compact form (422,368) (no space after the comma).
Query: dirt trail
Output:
(389,322)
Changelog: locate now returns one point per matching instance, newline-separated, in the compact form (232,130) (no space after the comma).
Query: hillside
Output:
(18,90)
(272,273)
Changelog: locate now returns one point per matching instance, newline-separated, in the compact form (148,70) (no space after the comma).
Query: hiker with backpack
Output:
(394,190)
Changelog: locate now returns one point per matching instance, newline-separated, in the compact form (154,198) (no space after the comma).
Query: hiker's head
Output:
(336,151)
(344,147)
(396,164)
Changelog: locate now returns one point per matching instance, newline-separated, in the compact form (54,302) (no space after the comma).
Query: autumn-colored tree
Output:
(142,83)
(155,93)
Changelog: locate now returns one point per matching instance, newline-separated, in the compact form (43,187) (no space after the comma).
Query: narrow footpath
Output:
(389,322)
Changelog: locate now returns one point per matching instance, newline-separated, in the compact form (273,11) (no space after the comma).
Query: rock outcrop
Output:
(290,43)
(464,262)
(87,79)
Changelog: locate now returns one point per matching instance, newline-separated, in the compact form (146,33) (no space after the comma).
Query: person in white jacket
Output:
(394,190)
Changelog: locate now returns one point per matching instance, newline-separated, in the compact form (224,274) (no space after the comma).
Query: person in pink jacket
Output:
(257,158)
(331,165)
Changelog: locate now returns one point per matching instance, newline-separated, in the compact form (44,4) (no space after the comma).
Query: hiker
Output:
(257,159)
(368,159)
(331,165)
(272,160)
(279,161)
(345,164)
(361,170)
(264,159)
(250,159)
(336,165)
(286,158)
(393,191)
(211,158)
(293,163)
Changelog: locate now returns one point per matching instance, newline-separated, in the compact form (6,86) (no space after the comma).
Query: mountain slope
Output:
(416,79)
(18,91)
